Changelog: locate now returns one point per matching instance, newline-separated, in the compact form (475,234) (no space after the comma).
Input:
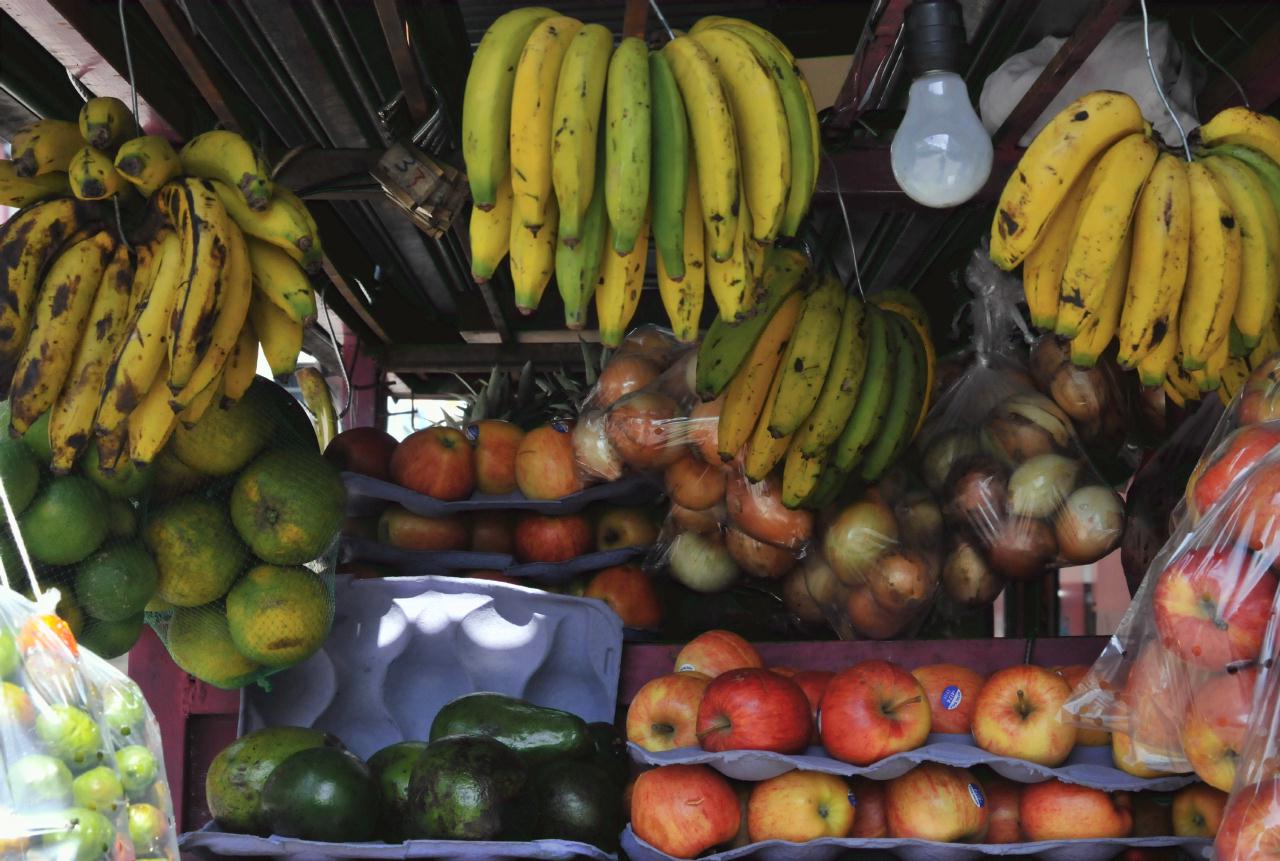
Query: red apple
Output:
(496,443)
(694,484)
(401,528)
(1155,697)
(625,527)
(629,592)
(716,652)
(1257,522)
(872,710)
(364,450)
(936,802)
(1054,810)
(1152,814)
(1213,731)
(684,810)
(757,510)
(663,715)
(545,463)
(743,838)
(754,709)
(814,684)
(1003,800)
(1017,715)
(1198,810)
(1250,829)
(756,557)
(551,537)
(437,462)
(952,691)
(1085,737)
(1237,454)
(1261,399)
(493,532)
(868,801)
(799,806)
(1212,606)
(623,375)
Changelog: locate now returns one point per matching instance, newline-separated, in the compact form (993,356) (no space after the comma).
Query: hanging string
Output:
(128,61)
(662,19)
(1155,80)
(1213,61)
(848,227)
(12,519)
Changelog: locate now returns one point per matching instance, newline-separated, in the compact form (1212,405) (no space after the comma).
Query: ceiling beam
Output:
(863,69)
(53,25)
(185,51)
(1257,70)
(474,358)
(1096,23)
(397,36)
(864,174)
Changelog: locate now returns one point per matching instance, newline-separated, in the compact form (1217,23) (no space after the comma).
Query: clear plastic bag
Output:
(83,772)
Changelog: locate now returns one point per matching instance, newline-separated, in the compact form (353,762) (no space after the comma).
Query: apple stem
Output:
(1022,703)
(663,728)
(721,723)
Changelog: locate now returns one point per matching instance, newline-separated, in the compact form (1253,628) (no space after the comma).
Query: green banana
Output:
(727,343)
(869,412)
(627,143)
(578,265)
(840,391)
(904,405)
(670,164)
(1266,169)
(830,483)
(575,127)
(808,357)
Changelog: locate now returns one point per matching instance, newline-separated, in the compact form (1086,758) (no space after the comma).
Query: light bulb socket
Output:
(935,36)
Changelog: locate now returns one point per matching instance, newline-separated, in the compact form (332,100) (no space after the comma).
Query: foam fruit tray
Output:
(402,648)
(419,562)
(366,494)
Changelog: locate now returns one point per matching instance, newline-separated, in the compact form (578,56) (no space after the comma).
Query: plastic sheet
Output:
(210,840)
(424,562)
(366,495)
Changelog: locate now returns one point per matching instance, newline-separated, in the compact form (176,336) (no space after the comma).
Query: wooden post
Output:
(635,16)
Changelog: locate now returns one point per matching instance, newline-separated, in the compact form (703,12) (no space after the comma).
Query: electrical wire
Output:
(1155,79)
(662,19)
(1213,61)
(848,226)
(128,60)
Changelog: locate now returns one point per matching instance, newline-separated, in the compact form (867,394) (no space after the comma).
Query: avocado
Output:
(322,794)
(576,801)
(609,751)
(391,768)
(537,734)
(461,788)
(234,783)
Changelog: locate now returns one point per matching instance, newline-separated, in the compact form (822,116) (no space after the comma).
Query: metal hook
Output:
(346,377)
(1155,80)
(1213,61)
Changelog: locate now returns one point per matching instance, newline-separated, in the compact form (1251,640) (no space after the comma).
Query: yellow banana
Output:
(627,144)
(839,394)
(618,290)
(715,143)
(1182,381)
(761,123)
(533,258)
(71,421)
(60,315)
(1267,347)
(239,282)
(1154,365)
(147,162)
(144,270)
(487,101)
(730,279)
(279,278)
(92,175)
(1209,378)
(1043,265)
(319,402)
(1096,333)
(909,307)
(229,158)
(576,126)
(208,396)
(764,450)
(1213,274)
(683,298)
(1234,376)
(808,358)
(45,146)
(105,122)
(201,221)
(491,235)
(281,338)
(532,103)
(143,349)
(18,192)
(1102,227)
(150,423)
(241,365)
(1239,125)
(1063,148)
(1158,270)
(1259,246)
(747,391)
(801,473)
(285,223)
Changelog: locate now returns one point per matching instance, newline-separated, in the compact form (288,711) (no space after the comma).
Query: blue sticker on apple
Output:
(951,697)
(853,800)
(975,792)
(562,427)
(472,432)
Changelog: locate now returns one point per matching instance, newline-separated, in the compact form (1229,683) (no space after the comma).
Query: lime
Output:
(148,827)
(278,616)
(122,519)
(39,782)
(66,522)
(19,473)
(16,711)
(116,583)
(196,551)
(137,768)
(112,639)
(37,439)
(70,735)
(200,643)
(126,481)
(123,707)
(8,655)
(91,833)
(98,789)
